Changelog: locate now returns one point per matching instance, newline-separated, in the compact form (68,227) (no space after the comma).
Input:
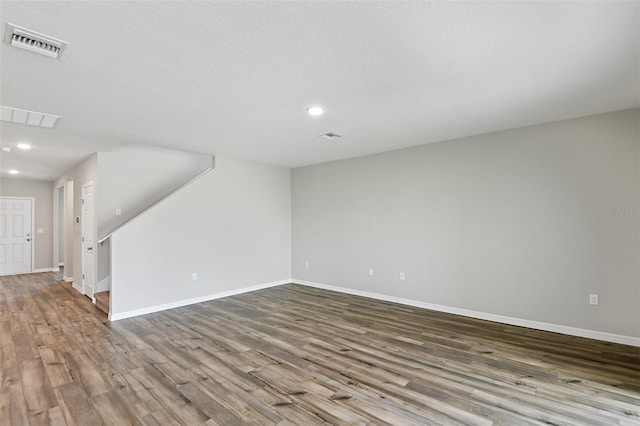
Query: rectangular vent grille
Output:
(30,118)
(331,135)
(26,39)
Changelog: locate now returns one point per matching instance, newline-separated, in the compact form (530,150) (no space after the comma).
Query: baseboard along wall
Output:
(538,325)
(157,308)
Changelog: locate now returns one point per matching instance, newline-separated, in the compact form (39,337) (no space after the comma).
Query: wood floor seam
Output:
(296,355)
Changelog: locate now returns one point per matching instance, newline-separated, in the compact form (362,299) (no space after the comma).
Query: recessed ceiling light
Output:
(24,146)
(13,172)
(6,149)
(315,110)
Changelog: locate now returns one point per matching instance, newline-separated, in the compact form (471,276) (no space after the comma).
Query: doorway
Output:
(58,227)
(16,235)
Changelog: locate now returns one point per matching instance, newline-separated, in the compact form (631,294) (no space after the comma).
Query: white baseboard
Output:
(556,328)
(15,273)
(67,279)
(77,287)
(35,271)
(180,303)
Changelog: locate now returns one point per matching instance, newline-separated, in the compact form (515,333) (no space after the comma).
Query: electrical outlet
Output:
(401,276)
(306,263)
(593,299)
(118,212)
(370,272)
(194,276)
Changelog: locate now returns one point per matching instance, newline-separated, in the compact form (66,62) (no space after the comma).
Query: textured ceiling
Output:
(233,78)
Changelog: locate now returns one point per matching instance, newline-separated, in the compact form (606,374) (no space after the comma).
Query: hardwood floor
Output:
(296,355)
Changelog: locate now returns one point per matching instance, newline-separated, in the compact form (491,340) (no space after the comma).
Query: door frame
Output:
(93,237)
(33,235)
(58,211)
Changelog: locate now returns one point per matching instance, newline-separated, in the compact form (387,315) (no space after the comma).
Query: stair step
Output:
(102,300)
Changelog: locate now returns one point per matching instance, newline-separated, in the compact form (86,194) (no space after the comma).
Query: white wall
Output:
(516,223)
(104,261)
(73,179)
(133,177)
(42,192)
(232,226)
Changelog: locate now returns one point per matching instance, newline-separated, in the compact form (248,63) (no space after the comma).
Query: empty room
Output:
(320,213)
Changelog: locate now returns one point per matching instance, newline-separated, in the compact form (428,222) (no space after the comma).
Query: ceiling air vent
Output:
(32,41)
(331,135)
(30,118)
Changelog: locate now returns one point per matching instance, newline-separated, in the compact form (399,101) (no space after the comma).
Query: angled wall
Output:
(133,177)
(231,226)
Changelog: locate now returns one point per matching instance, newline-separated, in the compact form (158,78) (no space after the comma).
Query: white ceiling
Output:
(233,78)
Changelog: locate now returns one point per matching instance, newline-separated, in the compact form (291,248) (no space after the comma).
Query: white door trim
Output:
(93,239)
(33,219)
(69,221)
(56,225)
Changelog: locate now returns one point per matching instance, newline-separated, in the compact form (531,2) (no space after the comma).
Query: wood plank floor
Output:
(294,355)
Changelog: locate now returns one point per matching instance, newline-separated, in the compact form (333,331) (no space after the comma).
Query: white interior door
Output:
(16,235)
(87,239)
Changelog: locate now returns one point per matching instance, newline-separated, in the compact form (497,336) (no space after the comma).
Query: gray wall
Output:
(133,177)
(522,223)
(232,226)
(42,191)
(73,179)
